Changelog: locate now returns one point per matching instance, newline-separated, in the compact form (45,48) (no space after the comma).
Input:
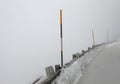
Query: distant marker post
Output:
(61,36)
(107,36)
(93,37)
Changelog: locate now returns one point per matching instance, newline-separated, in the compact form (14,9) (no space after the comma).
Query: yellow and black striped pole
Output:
(61,36)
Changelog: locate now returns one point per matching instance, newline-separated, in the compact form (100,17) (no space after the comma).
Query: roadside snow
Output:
(73,73)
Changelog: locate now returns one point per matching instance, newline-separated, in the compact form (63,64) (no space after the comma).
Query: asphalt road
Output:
(104,68)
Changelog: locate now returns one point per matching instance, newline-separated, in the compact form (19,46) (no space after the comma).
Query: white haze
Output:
(30,38)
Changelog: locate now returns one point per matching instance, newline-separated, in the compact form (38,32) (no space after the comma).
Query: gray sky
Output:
(29,33)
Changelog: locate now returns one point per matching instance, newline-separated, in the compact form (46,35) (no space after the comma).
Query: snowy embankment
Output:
(71,74)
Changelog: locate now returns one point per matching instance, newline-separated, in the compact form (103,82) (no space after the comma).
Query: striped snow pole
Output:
(61,36)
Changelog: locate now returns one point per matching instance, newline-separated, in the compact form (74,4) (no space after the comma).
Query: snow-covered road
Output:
(105,68)
(99,66)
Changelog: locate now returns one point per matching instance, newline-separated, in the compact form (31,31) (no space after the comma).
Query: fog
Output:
(30,33)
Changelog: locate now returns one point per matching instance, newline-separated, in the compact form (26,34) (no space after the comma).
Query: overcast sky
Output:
(30,38)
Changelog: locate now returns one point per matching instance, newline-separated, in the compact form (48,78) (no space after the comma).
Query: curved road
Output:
(105,68)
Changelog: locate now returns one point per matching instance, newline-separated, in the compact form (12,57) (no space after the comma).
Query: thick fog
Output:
(30,33)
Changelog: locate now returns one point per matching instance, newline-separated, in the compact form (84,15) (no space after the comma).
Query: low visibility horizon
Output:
(30,33)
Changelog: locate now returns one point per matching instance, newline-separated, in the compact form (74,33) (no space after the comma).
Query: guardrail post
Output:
(74,56)
(57,67)
(49,71)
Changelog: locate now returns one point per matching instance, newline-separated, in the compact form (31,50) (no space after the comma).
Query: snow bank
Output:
(72,74)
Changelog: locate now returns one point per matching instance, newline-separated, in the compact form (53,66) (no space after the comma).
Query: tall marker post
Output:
(61,36)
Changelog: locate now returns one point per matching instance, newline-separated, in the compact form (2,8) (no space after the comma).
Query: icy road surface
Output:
(105,68)
(99,66)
